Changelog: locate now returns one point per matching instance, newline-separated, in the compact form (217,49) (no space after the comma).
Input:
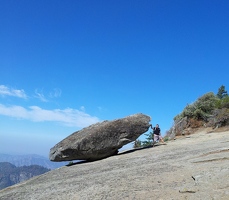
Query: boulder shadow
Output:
(78,162)
(136,149)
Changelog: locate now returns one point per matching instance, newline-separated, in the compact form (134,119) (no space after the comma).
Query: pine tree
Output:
(137,143)
(222,92)
(149,139)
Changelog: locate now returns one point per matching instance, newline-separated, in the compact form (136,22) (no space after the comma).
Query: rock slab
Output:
(100,140)
(194,168)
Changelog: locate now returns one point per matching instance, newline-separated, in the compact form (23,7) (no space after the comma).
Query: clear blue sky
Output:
(68,64)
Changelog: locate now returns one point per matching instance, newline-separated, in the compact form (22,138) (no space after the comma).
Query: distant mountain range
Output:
(32,159)
(10,174)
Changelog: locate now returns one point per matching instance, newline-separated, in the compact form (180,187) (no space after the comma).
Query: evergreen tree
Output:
(222,92)
(137,143)
(149,139)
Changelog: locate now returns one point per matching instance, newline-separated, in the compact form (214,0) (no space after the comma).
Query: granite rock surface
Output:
(100,140)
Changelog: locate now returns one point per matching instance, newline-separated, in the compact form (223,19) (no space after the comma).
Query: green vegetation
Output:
(209,110)
(200,109)
(149,139)
(166,138)
(70,163)
(137,143)
(222,92)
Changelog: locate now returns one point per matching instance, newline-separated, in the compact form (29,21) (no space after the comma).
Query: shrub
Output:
(166,138)
(206,103)
(137,143)
(223,103)
(200,109)
(220,117)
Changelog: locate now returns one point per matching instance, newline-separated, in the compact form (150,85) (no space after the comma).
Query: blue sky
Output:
(68,64)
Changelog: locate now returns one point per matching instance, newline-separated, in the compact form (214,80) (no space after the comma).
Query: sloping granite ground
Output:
(190,167)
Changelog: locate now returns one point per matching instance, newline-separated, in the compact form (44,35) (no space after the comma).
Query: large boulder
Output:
(100,140)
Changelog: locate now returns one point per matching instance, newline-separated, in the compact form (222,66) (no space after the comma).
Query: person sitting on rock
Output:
(157,134)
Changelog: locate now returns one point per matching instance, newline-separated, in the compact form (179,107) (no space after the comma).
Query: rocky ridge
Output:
(30,159)
(10,174)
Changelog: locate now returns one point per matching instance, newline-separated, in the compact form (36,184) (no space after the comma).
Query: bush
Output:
(166,138)
(223,103)
(206,103)
(208,110)
(201,109)
(220,117)
(137,143)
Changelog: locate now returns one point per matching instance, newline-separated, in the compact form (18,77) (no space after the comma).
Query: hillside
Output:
(210,110)
(190,167)
(10,174)
(30,159)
